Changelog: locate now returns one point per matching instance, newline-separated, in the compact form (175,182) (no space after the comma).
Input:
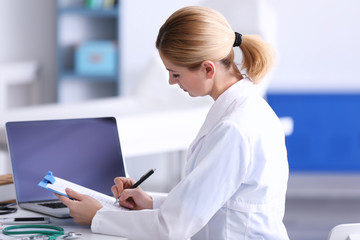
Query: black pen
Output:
(141,180)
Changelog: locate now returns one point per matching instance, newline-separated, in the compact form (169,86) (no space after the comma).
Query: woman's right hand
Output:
(135,199)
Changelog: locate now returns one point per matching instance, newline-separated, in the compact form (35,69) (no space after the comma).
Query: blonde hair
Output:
(194,34)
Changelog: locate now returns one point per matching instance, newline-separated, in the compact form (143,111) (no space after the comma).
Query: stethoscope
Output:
(41,232)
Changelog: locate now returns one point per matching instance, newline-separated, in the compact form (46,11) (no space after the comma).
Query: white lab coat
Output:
(235,182)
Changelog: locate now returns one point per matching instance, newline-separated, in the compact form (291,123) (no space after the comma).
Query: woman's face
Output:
(194,82)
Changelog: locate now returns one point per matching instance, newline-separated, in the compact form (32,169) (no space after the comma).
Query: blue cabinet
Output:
(87,51)
(326,134)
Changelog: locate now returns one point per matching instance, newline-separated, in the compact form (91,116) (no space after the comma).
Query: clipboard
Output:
(58,185)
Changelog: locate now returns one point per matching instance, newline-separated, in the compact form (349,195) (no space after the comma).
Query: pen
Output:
(141,180)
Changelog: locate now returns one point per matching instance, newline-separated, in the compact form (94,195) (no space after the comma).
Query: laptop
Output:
(84,151)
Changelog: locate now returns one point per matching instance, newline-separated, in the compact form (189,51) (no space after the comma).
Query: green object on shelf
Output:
(94,4)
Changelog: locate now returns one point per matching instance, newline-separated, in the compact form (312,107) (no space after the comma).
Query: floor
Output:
(317,203)
(312,219)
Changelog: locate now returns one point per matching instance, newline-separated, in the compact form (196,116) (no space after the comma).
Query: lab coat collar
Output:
(240,89)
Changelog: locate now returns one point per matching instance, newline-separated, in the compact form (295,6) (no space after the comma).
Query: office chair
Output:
(350,231)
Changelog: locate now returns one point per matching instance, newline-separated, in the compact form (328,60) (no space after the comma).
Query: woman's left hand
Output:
(83,208)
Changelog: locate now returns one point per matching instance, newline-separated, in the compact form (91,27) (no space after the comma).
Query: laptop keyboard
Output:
(53,205)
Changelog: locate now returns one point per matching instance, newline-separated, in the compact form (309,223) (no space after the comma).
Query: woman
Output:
(236,170)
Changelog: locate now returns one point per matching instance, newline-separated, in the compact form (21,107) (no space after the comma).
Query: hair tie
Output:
(238,39)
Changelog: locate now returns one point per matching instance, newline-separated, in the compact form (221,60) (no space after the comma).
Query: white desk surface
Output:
(68,225)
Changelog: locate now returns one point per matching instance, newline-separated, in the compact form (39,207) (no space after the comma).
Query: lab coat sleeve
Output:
(158,199)
(220,166)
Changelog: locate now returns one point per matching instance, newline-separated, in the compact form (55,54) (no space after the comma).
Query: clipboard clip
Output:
(49,178)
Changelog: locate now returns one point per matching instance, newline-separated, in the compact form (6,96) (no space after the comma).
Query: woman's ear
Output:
(209,68)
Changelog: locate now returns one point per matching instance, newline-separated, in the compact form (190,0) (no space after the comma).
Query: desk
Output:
(68,225)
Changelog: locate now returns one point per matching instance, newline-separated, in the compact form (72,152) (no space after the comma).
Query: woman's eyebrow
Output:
(170,70)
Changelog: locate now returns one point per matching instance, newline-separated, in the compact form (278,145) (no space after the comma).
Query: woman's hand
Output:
(135,199)
(83,209)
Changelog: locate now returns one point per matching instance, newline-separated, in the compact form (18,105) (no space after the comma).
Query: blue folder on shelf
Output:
(96,58)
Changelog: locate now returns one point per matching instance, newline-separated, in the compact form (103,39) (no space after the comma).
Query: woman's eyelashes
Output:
(176,75)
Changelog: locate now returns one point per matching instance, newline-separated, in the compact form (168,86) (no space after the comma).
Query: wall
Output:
(317,41)
(27,33)
(318,46)
(138,35)
(316,83)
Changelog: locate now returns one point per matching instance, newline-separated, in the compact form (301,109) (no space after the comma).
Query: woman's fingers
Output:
(121,183)
(82,207)
(135,199)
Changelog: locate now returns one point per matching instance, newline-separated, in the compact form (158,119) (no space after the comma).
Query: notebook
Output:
(84,151)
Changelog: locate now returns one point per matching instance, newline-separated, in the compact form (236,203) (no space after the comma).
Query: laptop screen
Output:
(84,151)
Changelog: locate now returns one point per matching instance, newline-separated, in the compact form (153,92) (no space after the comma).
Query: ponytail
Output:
(258,57)
(194,34)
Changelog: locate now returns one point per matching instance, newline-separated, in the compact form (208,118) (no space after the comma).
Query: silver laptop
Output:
(84,151)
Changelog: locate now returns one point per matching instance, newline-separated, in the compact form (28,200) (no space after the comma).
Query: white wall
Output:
(140,23)
(317,41)
(139,34)
(318,46)
(27,33)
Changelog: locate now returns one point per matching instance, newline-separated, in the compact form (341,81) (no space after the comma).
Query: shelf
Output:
(67,75)
(78,24)
(113,12)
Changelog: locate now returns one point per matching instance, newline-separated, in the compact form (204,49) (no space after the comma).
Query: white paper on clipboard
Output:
(58,185)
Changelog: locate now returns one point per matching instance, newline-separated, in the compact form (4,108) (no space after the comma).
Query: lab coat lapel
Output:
(216,113)
(243,87)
